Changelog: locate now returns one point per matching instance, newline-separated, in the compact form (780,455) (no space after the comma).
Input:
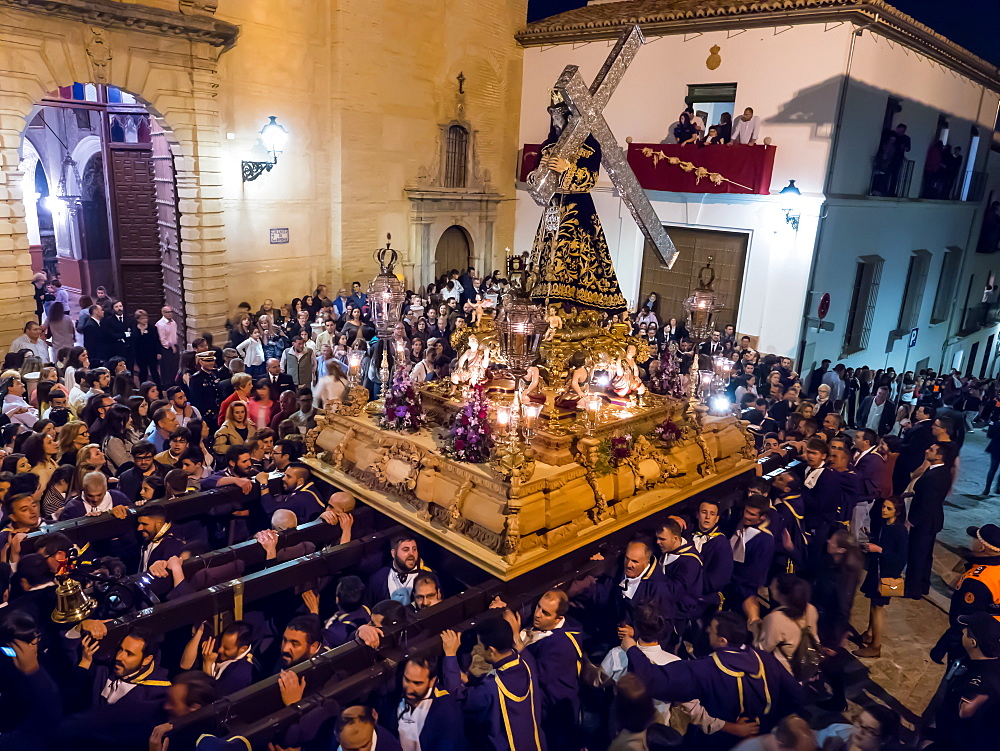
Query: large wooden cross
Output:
(587,105)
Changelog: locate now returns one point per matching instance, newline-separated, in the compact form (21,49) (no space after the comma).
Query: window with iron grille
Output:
(862,312)
(913,292)
(456,157)
(947,282)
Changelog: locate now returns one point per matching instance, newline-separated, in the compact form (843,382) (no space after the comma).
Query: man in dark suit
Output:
(911,449)
(277,380)
(926,516)
(94,340)
(117,329)
(877,412)
(713,346)
(427,715)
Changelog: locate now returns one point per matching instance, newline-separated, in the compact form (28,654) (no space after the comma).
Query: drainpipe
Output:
(834,148)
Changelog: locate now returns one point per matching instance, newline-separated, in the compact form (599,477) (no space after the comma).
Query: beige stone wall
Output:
(177,78)
(361,85)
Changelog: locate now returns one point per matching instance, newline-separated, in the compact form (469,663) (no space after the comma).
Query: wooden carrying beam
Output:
(105,527)
(352,671)
(251,553)
(231,595)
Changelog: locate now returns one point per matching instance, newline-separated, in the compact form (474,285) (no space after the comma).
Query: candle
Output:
(503,417)
(531,412)
(353,363)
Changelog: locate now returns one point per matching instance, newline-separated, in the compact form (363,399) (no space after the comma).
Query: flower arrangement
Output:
(403,410)
(612,453)
(667,432)
(470,435)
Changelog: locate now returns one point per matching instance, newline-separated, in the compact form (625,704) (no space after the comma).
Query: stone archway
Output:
(169,61)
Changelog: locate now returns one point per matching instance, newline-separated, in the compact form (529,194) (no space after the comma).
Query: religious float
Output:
(544,438)
(531,448)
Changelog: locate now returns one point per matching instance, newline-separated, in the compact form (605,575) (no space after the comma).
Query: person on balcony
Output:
(747,128)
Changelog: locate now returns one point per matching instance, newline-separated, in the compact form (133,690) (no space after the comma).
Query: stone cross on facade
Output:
(587,105)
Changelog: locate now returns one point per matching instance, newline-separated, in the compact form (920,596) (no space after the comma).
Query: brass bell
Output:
(72,604)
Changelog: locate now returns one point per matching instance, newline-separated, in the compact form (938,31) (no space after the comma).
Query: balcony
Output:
(688,169)
(891,181)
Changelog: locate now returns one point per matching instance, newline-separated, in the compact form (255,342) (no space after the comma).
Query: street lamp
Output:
(700,307)
(274,137)
(789,204)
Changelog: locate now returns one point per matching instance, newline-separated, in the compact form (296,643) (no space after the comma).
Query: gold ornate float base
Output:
(507,528)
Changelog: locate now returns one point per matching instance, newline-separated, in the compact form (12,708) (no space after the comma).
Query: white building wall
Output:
(892,230)
(881,69)
(798,107)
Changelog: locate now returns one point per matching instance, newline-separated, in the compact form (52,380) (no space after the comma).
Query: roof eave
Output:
(882,18)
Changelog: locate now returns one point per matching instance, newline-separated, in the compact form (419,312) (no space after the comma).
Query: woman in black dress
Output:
(885,559)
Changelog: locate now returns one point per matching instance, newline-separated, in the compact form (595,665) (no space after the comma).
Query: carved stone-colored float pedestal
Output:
(509,529)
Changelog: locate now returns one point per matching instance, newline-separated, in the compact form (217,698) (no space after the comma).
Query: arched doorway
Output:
(111,194)
(454,251)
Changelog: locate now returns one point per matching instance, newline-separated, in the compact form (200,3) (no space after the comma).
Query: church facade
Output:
(401,119)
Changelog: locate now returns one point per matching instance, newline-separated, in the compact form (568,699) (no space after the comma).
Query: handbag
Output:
(890,587)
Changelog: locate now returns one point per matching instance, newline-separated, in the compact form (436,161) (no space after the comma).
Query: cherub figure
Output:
(555,322)
(472,364)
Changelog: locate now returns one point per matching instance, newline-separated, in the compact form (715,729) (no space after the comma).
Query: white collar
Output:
(866,452)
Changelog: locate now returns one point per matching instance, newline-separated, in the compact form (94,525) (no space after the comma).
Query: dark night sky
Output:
(973,27)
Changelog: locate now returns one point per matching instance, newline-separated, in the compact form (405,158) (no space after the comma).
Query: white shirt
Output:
(28,418)
(631,583)
(397,582)
(38,347)
(740,540)
(874,415)
(220,667)
(530,636)
(745,131)
(615,665)
(252,352)
(106,504)
(115,689)
(836,383)
(411,721)
(812,476)
(168,333)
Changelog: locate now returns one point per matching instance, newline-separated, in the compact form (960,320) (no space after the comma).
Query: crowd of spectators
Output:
(725,626)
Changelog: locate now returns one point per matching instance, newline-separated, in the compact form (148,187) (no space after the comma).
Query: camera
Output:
(107,581)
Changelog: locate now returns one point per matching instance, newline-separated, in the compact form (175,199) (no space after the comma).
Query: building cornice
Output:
(198,27)
(664,18)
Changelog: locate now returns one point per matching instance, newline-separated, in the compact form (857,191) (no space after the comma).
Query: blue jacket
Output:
(730,683)
(504,707)
(717,560)
(682,582)
(753,572)
(304,502)
(558,658)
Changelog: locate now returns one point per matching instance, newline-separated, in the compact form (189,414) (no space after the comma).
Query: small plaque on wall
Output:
(279,236)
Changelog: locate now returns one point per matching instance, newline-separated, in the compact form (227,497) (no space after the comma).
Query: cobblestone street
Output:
(904,677)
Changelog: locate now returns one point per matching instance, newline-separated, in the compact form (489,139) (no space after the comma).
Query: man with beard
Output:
(239,471)
(160,543)
(299,496)
(426,591)
(142,467)
(396,581)
(427,717)
(121,706)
